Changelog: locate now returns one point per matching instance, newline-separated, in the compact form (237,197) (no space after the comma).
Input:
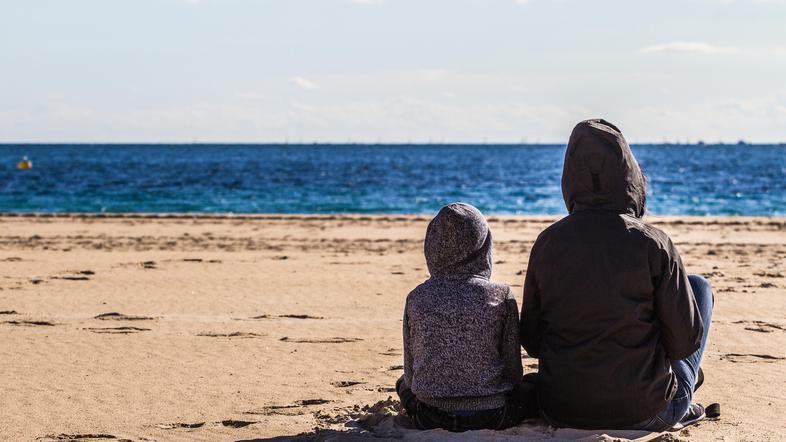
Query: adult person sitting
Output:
(618,326)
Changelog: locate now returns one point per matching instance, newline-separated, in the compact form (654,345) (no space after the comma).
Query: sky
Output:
(390,70)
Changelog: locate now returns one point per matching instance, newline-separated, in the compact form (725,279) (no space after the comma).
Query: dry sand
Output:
(244,328)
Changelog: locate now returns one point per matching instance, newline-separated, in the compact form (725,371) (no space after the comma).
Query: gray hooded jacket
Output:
(461,344)
(607,303)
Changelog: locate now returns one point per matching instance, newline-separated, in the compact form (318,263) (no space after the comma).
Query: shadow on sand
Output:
(382,422)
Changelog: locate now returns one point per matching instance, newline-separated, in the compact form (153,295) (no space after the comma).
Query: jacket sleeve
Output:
(407,351)
(529,327)
(511,347)
(675,306)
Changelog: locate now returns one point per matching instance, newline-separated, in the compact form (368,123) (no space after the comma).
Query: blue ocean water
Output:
(683,179)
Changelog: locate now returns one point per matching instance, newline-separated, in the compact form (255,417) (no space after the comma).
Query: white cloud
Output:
(522,2)
(304,83)
(688,46)
(368,2)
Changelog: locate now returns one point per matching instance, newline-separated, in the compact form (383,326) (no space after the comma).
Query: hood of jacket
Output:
(458,242)
(600,171)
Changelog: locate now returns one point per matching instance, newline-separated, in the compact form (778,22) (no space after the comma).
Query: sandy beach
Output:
(265,327)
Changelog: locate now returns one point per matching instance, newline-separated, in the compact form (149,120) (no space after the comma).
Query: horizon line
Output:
(374,143)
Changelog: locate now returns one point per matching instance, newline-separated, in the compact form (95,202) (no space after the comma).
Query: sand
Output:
(263,328)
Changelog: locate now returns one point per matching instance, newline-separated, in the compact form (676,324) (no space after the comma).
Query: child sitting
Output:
(462,360)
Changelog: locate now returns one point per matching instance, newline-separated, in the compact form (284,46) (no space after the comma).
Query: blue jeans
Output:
(686,370)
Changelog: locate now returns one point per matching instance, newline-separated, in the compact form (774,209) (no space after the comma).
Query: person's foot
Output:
(695,414)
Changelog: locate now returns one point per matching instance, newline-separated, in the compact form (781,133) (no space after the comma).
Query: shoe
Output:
(695,414)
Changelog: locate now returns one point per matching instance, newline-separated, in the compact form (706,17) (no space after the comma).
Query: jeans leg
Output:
(687,370)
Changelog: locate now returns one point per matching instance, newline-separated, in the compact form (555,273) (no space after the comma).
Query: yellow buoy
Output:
(24,164)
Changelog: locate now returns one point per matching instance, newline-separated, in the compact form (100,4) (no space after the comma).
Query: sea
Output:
(695,179)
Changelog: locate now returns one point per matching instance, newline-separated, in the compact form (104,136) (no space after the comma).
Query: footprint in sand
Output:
(114,316)
(308,402)
(391,352)
(396,367)
(231,423)
(116,330)
(8,312)
(72,278)
(175,425)
(320,341)
(31,323)
(761,326)
(300,317)
(236,423)
(231,335)
(295,409)
(345,384)
(283,317)
(83,437)
(748,357)
(148,265)
(11,259)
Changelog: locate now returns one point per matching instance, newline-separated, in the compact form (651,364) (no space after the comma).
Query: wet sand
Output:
(242,328)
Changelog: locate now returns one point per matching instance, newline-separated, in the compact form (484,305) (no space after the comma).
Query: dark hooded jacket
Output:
(461,343)
(607,303)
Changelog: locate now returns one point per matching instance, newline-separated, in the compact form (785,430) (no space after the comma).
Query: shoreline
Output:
(357,216)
